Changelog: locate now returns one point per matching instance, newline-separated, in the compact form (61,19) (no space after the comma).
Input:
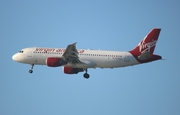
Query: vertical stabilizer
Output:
(148,44)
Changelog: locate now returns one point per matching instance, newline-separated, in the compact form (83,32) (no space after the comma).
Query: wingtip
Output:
(74,43)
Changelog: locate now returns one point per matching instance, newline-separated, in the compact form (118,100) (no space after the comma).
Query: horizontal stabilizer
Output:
(145,55)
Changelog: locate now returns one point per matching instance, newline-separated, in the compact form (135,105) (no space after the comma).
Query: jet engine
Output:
(55,62)
(71,70)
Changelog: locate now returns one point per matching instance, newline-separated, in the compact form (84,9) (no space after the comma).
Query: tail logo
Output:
(143,46)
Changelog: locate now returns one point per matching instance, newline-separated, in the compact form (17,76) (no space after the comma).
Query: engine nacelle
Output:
(55,62)
(71,70)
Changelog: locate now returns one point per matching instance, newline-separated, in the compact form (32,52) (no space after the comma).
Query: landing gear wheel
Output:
(30,71)
(86,75)
(31,68)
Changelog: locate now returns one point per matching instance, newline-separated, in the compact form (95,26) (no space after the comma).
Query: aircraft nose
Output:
(14,57)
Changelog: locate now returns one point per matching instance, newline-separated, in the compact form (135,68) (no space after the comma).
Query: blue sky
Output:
(147,89)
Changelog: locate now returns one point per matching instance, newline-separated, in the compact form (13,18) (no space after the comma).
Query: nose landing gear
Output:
(31,68)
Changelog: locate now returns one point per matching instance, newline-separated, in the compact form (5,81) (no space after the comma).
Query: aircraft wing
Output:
(71,54)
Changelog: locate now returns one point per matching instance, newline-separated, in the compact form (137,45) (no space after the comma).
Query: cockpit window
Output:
(20,51)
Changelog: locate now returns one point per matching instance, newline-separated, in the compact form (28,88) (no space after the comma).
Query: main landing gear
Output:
(86,75)
(31,68)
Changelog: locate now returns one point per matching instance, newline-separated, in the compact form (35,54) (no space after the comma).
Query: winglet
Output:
(74,43)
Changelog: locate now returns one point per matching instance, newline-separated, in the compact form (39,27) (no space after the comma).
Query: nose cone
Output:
(18,57)
(15,57)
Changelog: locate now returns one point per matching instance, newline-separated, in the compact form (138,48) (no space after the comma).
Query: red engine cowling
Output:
(71,70)
(55,62)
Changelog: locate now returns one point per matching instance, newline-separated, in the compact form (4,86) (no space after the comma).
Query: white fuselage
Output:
(99,58)
(75,61)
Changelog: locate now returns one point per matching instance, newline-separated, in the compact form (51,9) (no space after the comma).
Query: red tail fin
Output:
(147,44)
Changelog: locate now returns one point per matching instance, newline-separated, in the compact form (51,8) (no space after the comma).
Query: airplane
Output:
(74,61)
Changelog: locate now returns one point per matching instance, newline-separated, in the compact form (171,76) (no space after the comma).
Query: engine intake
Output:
(55,62)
